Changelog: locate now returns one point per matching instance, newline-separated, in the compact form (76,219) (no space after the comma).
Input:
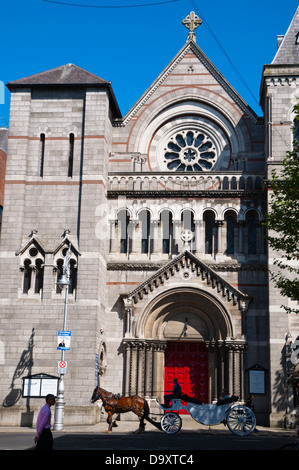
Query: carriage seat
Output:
(231,399)
(191,400)
(176,402)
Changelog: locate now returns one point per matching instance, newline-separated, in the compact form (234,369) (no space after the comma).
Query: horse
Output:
(119,404)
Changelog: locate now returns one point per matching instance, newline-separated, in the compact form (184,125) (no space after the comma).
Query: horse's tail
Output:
(146,411)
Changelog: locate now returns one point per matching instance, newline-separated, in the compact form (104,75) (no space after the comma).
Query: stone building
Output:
(163,211)
(3,152)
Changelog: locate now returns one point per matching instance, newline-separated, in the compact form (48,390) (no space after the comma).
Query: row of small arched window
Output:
(33,274)
(166,233)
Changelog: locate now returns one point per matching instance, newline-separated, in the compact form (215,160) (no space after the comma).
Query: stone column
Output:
(148,369)
(231,371)
(133,368)
(236,367)
(213,369)
(154,236)
(129,315)
(127,368)
(221,368)
(158,369)
(134,238)
(219,224)
(241,237)
(199,237)
(112,240)
(176,236)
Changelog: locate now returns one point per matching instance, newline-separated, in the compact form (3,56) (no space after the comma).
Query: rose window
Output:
(190,151)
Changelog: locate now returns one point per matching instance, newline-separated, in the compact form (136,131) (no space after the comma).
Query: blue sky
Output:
(131,46)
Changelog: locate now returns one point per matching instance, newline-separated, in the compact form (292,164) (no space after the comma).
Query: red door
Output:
(189,363)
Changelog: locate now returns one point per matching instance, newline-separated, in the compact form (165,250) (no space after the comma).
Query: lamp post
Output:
(64,281)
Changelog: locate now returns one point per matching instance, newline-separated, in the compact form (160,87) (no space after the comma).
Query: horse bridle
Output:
(99,395)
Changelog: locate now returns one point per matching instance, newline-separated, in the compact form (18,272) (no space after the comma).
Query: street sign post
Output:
(62,367)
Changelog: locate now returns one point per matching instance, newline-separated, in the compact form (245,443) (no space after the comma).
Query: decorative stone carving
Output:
(192,21)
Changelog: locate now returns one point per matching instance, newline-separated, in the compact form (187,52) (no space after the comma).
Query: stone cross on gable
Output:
(192,22)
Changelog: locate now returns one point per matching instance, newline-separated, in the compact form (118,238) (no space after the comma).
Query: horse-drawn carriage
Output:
(239,419)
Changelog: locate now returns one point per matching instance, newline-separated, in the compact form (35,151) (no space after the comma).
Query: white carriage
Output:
(239,418)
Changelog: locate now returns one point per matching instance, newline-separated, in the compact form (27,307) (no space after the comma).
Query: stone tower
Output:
(59,139)
(279,91)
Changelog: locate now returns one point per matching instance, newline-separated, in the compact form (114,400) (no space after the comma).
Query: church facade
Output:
(163,212)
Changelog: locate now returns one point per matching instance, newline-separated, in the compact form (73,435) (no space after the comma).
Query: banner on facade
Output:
(64,340)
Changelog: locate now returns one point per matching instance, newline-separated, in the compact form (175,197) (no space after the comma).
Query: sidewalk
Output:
(129,426)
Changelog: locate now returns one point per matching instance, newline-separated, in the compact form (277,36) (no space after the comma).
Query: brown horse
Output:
(116,404)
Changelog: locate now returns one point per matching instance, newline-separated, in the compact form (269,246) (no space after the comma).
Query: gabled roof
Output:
(288,51)
(68,74)
(187,262)
(191,46)
(67,241)
(33,241)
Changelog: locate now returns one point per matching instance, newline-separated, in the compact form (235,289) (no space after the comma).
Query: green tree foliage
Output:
(282,223)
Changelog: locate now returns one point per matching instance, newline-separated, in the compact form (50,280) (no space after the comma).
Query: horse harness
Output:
(117,397)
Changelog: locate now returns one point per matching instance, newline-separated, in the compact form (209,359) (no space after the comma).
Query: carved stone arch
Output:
(212,210)
(185,208)
(71,129)
(43,130)
(167,209)
(190,324)
(229,209)
(256,210)
(146,209)
(184,101)
(124,208)
(180,315)
(32,261)
(178,300)
(244,211)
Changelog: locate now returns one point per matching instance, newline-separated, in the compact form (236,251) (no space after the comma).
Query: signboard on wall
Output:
(257,380)
(39,386)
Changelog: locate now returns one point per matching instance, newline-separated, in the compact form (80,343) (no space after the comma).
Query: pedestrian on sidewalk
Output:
(249,404)
(44,438)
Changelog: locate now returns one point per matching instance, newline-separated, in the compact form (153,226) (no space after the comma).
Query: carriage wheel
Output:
(171,423)
(241,420)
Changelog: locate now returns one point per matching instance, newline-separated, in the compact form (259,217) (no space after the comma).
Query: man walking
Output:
(44,438)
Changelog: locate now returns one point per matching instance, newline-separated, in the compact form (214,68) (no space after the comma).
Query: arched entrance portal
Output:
(185,331)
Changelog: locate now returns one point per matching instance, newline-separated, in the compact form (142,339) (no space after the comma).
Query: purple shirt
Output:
(43,419)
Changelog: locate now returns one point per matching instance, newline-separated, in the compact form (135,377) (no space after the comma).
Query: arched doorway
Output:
(179,323)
